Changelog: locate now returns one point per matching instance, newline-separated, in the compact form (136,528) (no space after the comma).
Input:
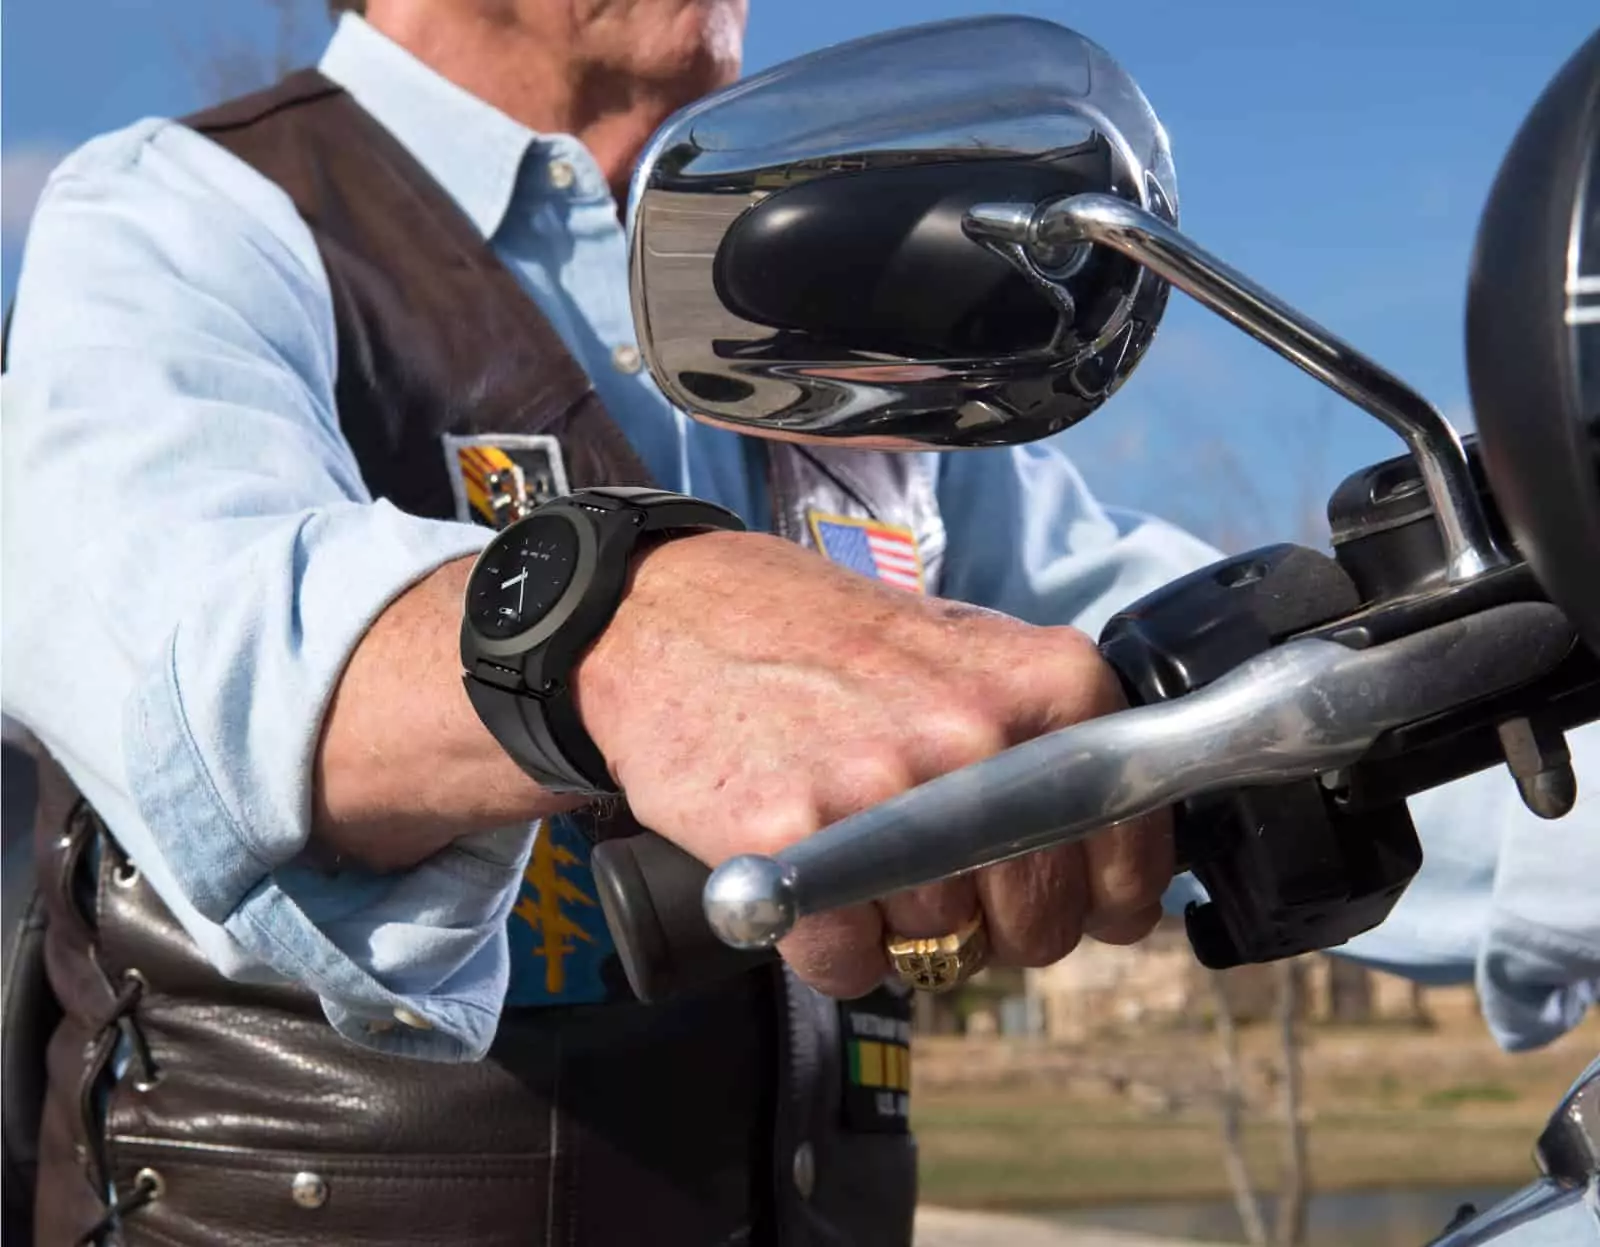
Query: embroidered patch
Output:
(876,1032)
(886,552)
(559,943)
(491,472)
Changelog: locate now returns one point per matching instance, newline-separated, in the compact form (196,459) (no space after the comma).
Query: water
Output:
(1398,1218)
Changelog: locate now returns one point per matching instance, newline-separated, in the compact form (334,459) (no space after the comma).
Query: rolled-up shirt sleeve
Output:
(190,558)
(1505,900)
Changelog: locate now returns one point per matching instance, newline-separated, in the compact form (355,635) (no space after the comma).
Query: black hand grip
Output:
(650,892)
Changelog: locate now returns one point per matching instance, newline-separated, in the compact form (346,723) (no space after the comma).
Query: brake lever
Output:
(1304,708)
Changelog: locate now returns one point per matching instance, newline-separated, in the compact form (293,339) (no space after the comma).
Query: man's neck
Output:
(555,81)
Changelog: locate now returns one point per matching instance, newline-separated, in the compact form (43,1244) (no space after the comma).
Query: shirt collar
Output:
(472,149)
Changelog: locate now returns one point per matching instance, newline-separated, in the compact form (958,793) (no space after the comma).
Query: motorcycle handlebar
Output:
(1304,708)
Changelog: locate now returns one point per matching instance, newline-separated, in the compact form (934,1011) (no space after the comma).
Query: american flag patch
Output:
(886,552)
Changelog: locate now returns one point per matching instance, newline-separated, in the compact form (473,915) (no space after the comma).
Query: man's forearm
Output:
(404,766)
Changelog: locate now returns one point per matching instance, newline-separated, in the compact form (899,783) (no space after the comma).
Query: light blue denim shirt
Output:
(190,553)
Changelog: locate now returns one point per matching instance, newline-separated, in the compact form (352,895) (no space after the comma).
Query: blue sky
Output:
(1338,152)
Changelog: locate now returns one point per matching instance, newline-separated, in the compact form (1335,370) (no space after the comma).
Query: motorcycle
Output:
(964,235)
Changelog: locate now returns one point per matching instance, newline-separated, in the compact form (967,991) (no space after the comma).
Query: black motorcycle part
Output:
(1533,338)
(1383,529)
(1286,869)
(879,259)
(650,890)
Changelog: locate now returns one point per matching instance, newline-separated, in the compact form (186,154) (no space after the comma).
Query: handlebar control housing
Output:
(1290,868)
(1286,869)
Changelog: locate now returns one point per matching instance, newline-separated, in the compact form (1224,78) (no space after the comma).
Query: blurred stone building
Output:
(1103,988)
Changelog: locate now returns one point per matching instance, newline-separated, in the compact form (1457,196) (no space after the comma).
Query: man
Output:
(320,978)
(277,350)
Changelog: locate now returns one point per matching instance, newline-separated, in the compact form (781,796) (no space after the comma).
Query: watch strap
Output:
(529,729)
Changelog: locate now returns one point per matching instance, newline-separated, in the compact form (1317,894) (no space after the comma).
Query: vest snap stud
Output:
(152,1181)
(309,1190)
(805,1170)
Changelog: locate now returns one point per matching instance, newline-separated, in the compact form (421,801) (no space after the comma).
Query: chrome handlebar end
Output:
(750,901)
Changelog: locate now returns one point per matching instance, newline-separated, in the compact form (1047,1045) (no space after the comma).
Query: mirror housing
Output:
(800,265)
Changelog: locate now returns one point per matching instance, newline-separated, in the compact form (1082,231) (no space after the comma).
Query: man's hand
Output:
(748,693)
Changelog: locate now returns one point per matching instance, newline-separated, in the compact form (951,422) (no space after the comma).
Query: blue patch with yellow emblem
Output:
(560,944)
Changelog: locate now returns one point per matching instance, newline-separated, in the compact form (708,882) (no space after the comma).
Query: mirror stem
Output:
(1125,227)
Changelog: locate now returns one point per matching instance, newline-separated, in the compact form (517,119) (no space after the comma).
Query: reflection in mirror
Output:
(799,265)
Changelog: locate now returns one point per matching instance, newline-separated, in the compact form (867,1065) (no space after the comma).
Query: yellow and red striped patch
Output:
(531,462)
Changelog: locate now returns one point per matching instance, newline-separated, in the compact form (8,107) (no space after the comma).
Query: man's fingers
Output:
(1128,930)
(934,910)
(840,953)
(1034,906)
(1128,867)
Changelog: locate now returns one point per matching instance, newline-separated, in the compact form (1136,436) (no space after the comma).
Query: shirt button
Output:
(562,175)
(626,358)
(412,1019)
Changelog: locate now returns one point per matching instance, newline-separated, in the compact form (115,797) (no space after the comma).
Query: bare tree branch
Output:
(1232,1103)
(1290,1230)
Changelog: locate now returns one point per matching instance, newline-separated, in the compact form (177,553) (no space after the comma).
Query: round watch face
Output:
(522,575)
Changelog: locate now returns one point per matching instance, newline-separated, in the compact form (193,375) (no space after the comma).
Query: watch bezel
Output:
(518,644)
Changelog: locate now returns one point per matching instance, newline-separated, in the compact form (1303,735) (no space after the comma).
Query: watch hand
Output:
(522,576)
(521,589)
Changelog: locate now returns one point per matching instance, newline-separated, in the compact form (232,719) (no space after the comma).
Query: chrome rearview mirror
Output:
(961,234)
(804,265)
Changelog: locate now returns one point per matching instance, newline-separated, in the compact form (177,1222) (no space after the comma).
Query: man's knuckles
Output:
(849,780)
(952,734)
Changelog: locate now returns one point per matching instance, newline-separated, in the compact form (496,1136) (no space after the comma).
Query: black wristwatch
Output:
(539,594)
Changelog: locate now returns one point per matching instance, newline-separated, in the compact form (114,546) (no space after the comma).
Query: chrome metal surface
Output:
(986,101)
(1569,1148)
(1307,707)
(1155,244)
(1568,1152)
(308,1189)
(747,898)
(1508,1221)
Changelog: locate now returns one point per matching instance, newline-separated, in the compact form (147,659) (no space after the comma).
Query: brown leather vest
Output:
(240,1115)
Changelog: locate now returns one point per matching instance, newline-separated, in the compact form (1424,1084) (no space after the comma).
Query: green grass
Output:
(1043,1154)
(1470,1093)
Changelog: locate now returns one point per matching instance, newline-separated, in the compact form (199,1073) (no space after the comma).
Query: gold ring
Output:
(943,962)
